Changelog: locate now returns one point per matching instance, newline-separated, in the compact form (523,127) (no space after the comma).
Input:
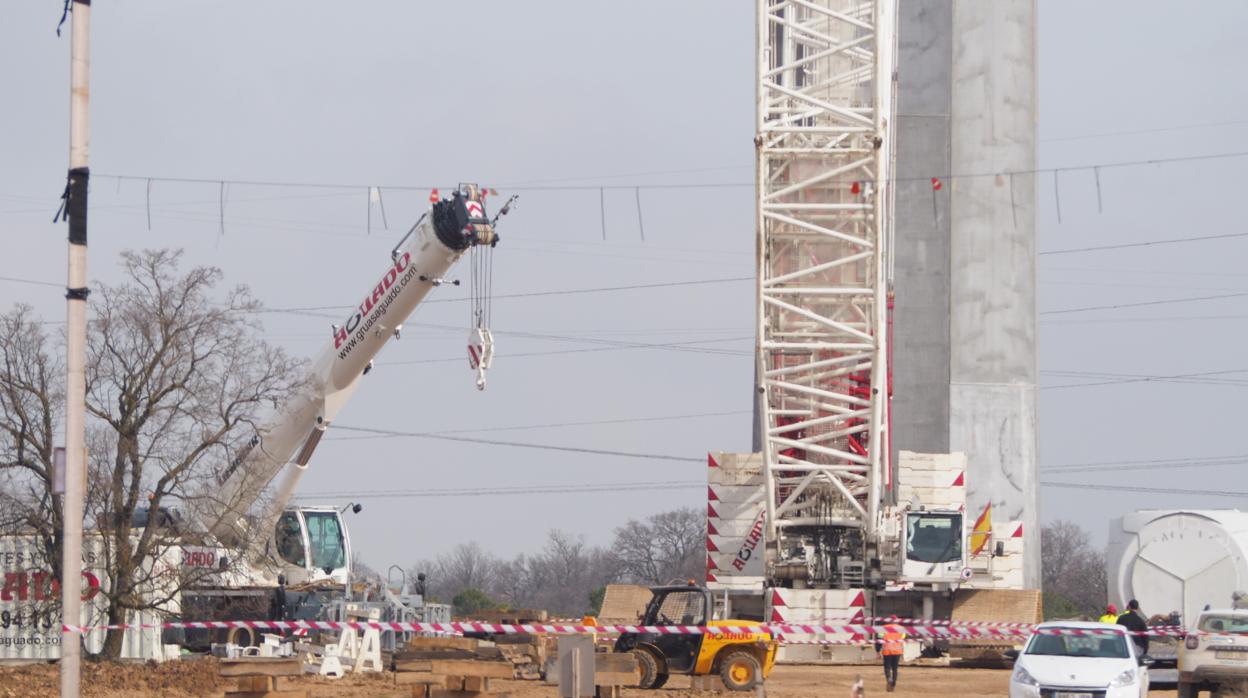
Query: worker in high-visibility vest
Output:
(1110,616)
(889,645)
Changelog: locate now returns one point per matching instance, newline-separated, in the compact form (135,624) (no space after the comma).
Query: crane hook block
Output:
(480,353)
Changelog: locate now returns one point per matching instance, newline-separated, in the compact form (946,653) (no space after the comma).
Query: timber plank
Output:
(616,678)
(444,643)
(459,667)
(622,662)
(419,678)
(260,666)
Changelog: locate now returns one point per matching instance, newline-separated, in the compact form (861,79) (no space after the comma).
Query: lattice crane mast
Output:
(824,151)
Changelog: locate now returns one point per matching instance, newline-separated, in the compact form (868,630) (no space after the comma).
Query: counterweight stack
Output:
(823,142)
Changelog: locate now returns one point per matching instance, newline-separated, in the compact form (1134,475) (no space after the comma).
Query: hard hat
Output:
(1111,608)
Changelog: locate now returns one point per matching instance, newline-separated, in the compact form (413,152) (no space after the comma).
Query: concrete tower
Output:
(964,342)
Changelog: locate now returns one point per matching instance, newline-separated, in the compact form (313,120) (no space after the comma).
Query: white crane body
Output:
(282,449)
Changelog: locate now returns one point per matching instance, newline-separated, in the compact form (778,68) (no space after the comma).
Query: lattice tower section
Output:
(825,95)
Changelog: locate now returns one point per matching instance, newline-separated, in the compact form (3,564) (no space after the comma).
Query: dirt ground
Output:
(198,678)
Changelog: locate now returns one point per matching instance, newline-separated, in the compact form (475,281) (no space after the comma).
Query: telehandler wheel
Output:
(651,669)
(740,670)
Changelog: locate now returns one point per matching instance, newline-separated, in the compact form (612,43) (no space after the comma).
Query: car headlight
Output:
(1126,678)
(1022,677)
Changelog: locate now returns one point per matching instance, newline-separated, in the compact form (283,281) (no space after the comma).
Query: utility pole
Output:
(76,357)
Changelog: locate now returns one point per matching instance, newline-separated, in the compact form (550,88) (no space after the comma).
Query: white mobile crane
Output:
(298,544)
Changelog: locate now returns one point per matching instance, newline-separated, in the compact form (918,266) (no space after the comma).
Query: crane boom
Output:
(285,445)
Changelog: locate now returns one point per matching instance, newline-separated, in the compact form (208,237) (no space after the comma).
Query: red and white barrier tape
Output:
(778,629)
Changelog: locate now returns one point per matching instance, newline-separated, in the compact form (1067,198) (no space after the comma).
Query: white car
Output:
(1079,660)
(1216,651)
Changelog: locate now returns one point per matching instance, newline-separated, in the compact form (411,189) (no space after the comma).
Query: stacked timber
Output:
(527,653)
(511,616)
(262,677)
(989,606)
(450,667)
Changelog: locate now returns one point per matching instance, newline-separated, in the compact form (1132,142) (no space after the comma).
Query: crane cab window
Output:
(325,540)
(289,539)
(933,537)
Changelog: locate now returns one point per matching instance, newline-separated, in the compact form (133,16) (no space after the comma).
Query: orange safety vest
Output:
(892,643)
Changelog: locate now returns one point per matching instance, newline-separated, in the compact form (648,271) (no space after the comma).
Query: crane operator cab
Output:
(934,550)
(311,544)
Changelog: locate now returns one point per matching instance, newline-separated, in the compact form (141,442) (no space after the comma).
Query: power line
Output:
(31,281)
(1148,243)
(530,354)
(1123,378)
(1154,466)
(503,491)
(549,425)
(1145,490)
(651,173)
(1161,129)
(532,294)
(521,444)
(1142,304)
(1154,460)
(673,185)
(1164,318)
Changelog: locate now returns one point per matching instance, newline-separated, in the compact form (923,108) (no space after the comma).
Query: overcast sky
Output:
(595,93)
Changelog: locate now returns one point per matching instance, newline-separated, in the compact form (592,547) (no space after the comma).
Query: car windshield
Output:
(1101,645)
(934,537)
(1224,624)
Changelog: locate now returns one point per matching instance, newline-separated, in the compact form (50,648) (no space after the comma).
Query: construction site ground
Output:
(198,677)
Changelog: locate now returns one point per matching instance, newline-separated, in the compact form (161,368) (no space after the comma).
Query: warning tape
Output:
(778,629)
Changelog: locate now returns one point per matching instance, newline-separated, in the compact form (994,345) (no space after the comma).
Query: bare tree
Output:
(1072,572)
(177,381)
(31,394)
(467,566)
(567,575)
(666,546)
